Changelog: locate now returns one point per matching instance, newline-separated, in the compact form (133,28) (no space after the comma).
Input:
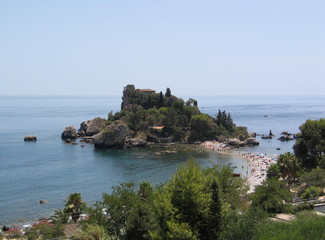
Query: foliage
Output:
(126,213)
(140,221)
(168,93)
(310,146)
(312,192)
(191,102)
(302,207)
(271,196)
(191,205)
(315,177)
(92,232)
(60,217)
(224,119)
(289,167)
(182,121)
(74,205)
(232,189)
(44,231)
(242,226)
(273,172)
(306,226)
(201,127)
(13,233)
(188,206)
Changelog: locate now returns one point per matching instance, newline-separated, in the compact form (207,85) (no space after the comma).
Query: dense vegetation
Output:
(304,171)
(179,120)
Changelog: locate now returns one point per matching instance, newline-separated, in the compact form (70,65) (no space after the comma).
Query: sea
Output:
(50,170)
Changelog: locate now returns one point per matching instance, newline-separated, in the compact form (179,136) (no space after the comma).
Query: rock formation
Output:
(235,142)
(251,141)
(69,133)
(111,136)
(92,127)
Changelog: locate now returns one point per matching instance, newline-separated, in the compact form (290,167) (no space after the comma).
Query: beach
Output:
(258,164)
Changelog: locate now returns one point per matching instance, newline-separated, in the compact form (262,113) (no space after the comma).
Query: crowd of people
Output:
(257,163)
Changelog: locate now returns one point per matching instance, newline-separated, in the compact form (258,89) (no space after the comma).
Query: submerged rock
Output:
(112,136)
(69,133)
(285,138)
(264,136)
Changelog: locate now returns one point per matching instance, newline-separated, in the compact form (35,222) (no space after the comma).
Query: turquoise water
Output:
(49,169)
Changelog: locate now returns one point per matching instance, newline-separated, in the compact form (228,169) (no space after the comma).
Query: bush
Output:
(92,232)
(303,207)
(243,226)
(307,226)
(312,192)
(44,230)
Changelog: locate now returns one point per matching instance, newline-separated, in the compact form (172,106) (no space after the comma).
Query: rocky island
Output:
(147,117)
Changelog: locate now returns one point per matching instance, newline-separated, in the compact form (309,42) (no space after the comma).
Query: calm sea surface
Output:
(51,170)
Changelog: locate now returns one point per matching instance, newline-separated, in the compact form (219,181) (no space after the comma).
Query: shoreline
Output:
(258,163)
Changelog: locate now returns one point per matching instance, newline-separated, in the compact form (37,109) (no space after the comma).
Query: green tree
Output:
(243,226)
(232,189)
(168,93)
(289,167)
(92,232)
(118,205)
(271,196)
(273,172)
(310,146)
(140,221)
(74,205)
(188,206)
(60,217)
(161,100)
(312,192)
(315,177)
(201,127)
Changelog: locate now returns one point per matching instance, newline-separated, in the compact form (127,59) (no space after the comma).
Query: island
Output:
(148,117)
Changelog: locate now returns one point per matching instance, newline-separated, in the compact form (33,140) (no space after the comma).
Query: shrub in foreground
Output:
(307,226)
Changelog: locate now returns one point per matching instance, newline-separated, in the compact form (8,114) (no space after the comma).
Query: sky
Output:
(70,47)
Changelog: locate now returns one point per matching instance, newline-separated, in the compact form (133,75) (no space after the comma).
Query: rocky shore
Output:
(118,135)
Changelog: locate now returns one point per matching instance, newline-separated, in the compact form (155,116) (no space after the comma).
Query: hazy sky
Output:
(66,47)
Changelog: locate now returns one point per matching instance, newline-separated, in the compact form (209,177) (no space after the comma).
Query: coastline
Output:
(258,163)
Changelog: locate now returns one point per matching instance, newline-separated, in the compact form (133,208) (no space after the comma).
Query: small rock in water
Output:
(43,201)
(30,138)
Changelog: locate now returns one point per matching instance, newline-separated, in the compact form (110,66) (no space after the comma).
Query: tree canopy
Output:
(181,121)
(310,146)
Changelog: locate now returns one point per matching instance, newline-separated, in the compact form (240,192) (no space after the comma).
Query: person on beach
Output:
(5,228)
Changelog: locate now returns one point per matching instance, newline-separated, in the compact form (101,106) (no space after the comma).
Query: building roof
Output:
(146,90)
(157,127)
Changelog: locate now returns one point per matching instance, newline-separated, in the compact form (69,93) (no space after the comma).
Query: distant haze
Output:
(194,47)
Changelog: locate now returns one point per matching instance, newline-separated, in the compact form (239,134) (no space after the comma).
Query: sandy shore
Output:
(258,163)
